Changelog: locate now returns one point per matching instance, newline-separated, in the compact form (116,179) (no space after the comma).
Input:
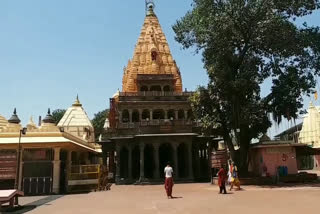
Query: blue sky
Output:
(50,51)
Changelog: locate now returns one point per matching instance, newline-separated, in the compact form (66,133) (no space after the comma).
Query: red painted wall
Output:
(272,157)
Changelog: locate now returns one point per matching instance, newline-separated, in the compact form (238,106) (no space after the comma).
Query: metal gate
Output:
(37,171)
(37,185)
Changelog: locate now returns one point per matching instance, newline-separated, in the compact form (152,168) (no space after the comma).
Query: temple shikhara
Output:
(150,120)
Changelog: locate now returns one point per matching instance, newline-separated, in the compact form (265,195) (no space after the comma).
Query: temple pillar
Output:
(117,163)
(151,114)
(68,168)
(175,161)
(130,115)
(130,162)
(156,161)
(20,170)
(176,114)
(120,116)
(140,115)
(141,161)
(190,162)
(56,171)
(111,162)
(197,159)
(185,115)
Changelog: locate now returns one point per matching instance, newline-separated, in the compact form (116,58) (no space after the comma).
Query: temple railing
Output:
(155,93)
(84,172)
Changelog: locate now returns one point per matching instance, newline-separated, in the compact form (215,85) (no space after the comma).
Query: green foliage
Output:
(58,114)
(244,43)
(98,122)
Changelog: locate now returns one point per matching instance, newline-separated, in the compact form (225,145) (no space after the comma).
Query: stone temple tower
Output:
(151,56)
(150,120)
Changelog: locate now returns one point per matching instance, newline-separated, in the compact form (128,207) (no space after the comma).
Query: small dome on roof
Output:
(14,118)
(31,125)
(48,118)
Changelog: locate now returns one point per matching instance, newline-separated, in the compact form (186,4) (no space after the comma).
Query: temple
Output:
(150,120)
(54,158)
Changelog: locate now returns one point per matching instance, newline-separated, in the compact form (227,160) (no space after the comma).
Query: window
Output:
(155,88)
(154,55)
(158,114)
(166,88)
(144,88)
(125,116)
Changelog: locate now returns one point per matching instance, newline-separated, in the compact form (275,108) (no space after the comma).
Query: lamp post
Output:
(16,183)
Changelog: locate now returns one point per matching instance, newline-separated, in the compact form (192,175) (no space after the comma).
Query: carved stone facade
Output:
(151,56)
(150,120)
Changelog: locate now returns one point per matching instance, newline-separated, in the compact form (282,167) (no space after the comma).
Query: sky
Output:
(50,51)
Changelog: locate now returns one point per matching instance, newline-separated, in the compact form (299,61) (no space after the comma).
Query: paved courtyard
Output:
(190,198)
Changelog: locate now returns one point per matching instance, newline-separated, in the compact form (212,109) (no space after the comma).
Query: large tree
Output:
(98,122)
(58,114)
(244,43)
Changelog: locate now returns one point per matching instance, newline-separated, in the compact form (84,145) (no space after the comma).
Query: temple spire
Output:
(77,102)
(151,56)
(149,7)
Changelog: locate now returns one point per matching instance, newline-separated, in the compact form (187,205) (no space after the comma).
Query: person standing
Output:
(168,173)
(222,177)
(230,172)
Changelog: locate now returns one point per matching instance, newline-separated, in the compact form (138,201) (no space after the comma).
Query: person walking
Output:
(168,184)
(235,179)
(222,177)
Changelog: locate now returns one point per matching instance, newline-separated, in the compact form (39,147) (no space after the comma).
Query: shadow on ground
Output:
(292,185)
(28,207)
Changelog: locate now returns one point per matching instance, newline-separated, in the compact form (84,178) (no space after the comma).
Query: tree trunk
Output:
(244,151)
(228,140)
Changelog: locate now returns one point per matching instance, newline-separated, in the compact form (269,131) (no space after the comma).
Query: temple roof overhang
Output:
(49,139)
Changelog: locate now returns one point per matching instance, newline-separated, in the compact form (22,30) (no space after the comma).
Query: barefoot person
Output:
(168,173)
(222,177)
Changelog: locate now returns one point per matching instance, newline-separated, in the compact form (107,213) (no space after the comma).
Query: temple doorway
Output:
(124,163)
(136,162)
(182,160)
(165,155)
(148,161)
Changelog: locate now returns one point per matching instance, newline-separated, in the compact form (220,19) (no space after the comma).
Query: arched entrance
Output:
(145,114)
(125,116)
(165,155)
(148,161)
(135,116)
(182,160)
(158,114)
(136,162)
(124,163)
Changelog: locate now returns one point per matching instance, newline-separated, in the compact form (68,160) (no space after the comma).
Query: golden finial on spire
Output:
(77,102)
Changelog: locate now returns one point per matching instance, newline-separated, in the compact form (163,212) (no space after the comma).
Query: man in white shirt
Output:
(168,173)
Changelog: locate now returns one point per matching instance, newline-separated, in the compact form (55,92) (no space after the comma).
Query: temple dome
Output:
(49,118)
(3,122)
(14,118)
(31,125)
(75,116)
(76,122)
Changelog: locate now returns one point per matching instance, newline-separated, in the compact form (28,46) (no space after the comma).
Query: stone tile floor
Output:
(190,199)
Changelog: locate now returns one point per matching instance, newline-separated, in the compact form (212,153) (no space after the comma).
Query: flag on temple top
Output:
(316,95)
